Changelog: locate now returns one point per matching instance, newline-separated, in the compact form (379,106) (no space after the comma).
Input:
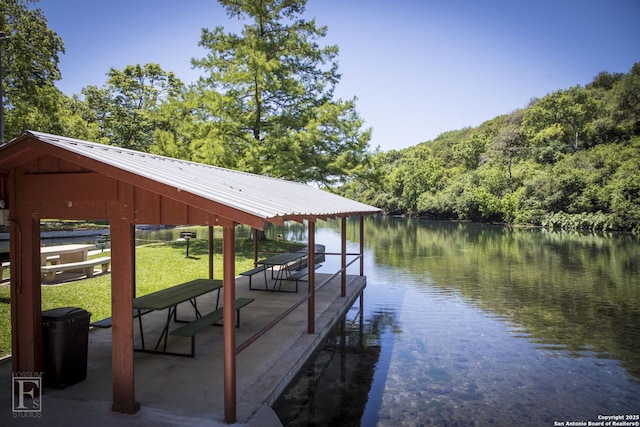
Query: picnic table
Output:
(72,258)
(284,263)
(65,254)
(170,298)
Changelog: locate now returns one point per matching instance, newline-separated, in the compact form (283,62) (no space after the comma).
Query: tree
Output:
(605,81)
(30,58)
(558,120)
(181,126)
(627,98)
(125,109)
(268,95)
(469,151)
(507,144)
(625,196)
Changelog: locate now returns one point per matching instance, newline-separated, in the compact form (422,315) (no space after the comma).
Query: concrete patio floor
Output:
(175,391)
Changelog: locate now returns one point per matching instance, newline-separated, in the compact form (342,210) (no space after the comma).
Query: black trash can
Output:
(65,336)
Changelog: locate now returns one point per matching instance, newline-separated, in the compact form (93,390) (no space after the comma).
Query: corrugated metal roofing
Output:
(263,197)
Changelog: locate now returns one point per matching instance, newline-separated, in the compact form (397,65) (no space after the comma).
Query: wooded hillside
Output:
(570,159)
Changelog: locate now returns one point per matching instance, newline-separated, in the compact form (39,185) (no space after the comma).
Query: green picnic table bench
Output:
(192,328)
(300,270)
(258,269)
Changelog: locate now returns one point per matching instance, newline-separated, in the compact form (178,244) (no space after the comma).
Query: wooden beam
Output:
(149,207)
(90,210)
(14,155)
(186,198)
(229,324)
(275,220)
(68,187)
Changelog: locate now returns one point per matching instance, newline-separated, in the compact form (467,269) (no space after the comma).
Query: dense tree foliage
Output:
(265,103)
(570,159)
(267,96)
(30,55)
(124,111)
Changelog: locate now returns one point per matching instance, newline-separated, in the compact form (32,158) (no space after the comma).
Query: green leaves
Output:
(264,103)
(558,122)
(273,89)
(126,109)
(569,160)
(30,57)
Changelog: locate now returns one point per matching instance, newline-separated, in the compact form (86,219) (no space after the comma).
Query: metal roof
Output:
(263,197)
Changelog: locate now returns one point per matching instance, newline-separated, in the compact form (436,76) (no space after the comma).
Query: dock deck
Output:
(184,391)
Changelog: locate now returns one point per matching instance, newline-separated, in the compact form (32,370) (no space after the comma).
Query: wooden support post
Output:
(122,293)
(228,316)
(311,302)
(211,236)
(26,296)
(361,245)
(255,246)
(343,257)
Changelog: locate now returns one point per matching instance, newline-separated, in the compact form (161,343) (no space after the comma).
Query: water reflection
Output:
(497,326)
(571,291)
(333,389)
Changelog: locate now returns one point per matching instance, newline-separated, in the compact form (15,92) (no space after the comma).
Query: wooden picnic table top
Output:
(175,295)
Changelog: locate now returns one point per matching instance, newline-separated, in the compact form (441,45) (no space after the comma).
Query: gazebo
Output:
(48,176)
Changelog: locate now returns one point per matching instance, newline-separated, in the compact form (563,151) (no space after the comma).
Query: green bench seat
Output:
(298,275)
(192,328)
(250,273)
(106,323)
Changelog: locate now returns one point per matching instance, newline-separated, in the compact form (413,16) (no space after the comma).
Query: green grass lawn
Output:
(157,266)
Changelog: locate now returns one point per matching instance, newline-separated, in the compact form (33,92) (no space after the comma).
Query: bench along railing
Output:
(295,305)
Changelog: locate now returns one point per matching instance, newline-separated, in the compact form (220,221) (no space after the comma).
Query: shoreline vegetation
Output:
(568,160)
(553,221)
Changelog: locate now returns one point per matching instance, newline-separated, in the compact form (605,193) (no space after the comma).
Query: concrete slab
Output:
(184,391)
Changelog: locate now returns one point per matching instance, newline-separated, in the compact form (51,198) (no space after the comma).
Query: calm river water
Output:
(464,324)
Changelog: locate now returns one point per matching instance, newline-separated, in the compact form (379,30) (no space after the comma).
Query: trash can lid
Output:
(64,313)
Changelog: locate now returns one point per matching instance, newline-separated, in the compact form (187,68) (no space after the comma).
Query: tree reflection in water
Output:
(333,387)
(499,326)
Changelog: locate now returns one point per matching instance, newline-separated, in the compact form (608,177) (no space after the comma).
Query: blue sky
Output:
(417,67)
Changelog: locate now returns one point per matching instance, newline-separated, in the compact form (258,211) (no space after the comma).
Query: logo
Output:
(27,394)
